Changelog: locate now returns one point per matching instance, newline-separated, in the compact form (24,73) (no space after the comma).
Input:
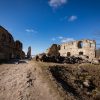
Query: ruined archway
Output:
(80,44)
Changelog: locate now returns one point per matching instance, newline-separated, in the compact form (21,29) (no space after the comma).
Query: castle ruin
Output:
(82,47)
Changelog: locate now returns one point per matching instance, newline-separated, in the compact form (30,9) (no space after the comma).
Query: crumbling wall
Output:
(6,44)
(29,52)
(82,47)
(18,50)
(53,50)
(8,48)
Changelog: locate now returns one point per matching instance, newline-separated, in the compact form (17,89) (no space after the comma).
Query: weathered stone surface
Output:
(82,47)
(76,48)
(29,52)
(53,50)
(8,47)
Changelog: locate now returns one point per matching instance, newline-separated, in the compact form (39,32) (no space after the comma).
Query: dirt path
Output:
(24,81)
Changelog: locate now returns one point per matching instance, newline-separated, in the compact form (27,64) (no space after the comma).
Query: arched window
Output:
(80,44)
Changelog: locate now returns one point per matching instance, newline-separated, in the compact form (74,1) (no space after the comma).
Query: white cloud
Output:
(64,40)
(31,31)
(72,18)
(53,39)
(57,3)
(69,18)
(60,37)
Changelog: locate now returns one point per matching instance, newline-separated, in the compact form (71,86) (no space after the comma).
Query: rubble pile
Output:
(70,60)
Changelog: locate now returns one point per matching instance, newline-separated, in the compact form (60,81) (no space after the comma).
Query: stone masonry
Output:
(29,52)
(82,47)
(8,47)
(53,50)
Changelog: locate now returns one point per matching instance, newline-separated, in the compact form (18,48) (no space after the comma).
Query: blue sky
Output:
(39,23)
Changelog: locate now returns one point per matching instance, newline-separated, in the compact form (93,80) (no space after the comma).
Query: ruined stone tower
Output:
(53,50)
(29,52)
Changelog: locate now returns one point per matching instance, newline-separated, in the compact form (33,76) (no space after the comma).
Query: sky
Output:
(40,23)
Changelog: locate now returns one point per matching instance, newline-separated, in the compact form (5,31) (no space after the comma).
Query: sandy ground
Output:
(24,81)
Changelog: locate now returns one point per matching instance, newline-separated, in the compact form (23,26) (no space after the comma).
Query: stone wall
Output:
(53,50)
(82,47)
(8,47)
(29,52)
(18,50)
